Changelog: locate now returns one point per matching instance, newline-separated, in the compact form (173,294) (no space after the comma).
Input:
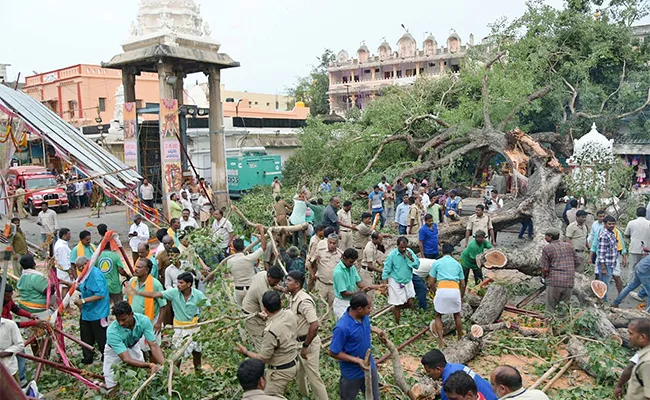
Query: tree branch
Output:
(620,84)
(410,121)
(639,109)
(413,147)
(534,96)
(484,91)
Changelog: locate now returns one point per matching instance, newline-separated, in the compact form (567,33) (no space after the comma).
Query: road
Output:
(114,216)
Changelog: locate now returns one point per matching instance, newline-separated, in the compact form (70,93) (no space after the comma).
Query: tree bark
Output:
(463,351)
(577,349)
(448,323)
(491,306)
(604,328)
(398,372)
(621,317)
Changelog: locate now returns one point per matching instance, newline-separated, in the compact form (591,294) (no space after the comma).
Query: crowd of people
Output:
(330,257)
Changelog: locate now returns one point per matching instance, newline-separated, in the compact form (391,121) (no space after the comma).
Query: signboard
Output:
(130,135)
(170,149)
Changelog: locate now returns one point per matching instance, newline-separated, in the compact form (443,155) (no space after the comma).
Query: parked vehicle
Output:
(40,186)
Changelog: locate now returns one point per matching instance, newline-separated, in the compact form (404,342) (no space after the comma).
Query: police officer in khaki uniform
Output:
(303,306)
(252,304)
(325,258)
(364,230)
(345,225)
(371,261)
(251,378)
(242,266)
(279,349)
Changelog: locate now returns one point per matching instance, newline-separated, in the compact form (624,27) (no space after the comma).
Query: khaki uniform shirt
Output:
(276,186)
(19,243)
(281,208)
(369,257)
(242,267)
(279,345)
(346,218)
(635,390)
(414,216)
(258,394)
(327,262)
(304,308)
(313,242)
(361,236)
(577,235)
(475,223)
(252,302)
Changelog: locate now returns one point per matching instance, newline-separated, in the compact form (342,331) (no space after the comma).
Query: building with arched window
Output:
(355,82)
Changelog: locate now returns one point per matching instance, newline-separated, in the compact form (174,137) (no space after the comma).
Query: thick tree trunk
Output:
(604,328)
(463,351)
(621,317)
(448,323)
(577,349)
(491,306)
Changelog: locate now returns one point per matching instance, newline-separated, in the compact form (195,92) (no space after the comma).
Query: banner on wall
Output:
(130,135)
(170,148)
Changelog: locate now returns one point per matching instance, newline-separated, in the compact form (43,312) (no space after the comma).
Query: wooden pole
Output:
(558,375)
(401,346)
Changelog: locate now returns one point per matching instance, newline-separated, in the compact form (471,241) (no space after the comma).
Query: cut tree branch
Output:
(534,96)
(620,84)
(409,122)
(484,91)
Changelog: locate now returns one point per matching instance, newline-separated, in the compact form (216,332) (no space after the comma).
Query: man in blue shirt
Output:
(350,341)
(437,367)
(376,204)
(428,236)
(325,186)
(401,214)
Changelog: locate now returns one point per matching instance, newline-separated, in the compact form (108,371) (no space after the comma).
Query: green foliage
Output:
(600,180)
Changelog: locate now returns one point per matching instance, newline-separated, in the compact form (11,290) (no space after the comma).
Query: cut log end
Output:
(476,331)
(494,259)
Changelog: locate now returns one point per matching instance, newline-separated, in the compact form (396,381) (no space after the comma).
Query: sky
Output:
(276,41)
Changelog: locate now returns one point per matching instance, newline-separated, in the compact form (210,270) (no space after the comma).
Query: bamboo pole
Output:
(60,367)
(558,375)
(545,376)
(367,375)
(73,181)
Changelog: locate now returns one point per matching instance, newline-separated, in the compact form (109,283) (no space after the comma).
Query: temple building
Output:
(356,81)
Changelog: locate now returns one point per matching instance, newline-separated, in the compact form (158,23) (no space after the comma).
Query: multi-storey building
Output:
(354,82)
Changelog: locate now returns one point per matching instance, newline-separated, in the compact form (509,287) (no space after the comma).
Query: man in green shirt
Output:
(468,257)
(84,248)
(185,301)
(145,282)
(123,338)
(33,288)
(111,266)
(347,282)
(398,273)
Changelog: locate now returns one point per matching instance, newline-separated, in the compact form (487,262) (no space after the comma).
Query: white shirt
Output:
(146,191)
(171,276)
(159,249)
(190,222)
(425,200)
(11,341)
(424,269)
(382,186)
(409,189)
(526,394)
(62,254)
(143,235)
(187,204)
(495,205)
(79,189)
(639,231)
(204,203)
(222,228)
(48,220)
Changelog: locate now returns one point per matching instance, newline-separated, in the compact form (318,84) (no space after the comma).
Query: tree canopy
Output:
(551,73)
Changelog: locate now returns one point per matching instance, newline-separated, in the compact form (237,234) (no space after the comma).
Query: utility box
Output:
(245,172)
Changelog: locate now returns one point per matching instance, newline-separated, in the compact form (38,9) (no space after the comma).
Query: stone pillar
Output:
(178,87)
(217,140)
(331,100)
(128,81)
(417,69)
(166,91)
(372,73)
(331,75)
(394,71)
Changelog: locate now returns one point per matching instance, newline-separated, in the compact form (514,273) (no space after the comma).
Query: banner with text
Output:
(170,149)
(130,135)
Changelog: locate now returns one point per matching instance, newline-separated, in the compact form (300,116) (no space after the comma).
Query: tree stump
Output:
(491,306)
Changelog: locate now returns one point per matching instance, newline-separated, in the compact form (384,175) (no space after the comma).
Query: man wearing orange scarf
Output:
(143,281)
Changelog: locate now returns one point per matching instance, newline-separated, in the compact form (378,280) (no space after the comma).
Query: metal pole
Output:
(44,154)
(6,259)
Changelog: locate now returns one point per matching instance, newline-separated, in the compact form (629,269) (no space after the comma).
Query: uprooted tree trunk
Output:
(581,354)
(491,306)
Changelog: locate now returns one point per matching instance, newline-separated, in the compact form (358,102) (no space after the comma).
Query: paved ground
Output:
(76,220)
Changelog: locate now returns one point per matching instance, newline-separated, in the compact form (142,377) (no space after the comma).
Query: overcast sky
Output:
(274,40)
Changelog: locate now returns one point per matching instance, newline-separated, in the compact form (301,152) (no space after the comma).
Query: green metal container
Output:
(245,172)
